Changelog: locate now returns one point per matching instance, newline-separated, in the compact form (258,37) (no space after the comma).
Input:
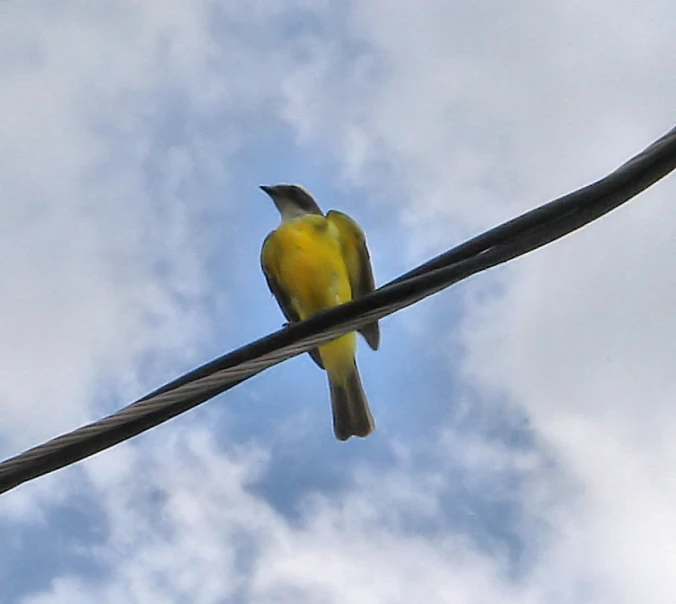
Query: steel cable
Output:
(496,246)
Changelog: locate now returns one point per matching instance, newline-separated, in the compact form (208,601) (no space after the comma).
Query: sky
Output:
(524,449)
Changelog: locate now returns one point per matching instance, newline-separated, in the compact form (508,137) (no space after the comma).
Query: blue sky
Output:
(524,449)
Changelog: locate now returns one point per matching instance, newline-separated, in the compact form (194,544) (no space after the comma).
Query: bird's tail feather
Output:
(351,413)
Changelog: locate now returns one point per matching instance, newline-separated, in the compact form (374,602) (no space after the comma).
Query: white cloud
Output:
(582,343)
(183,523)
(84,234)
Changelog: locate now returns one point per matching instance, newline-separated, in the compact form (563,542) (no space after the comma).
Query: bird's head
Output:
(292,201)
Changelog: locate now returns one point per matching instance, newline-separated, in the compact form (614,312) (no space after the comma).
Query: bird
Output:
(312,262)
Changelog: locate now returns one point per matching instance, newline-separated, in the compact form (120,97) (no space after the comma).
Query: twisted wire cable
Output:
(496,246)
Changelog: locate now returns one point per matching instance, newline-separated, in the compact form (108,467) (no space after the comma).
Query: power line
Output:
(496,246)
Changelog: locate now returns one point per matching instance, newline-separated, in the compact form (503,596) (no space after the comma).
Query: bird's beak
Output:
(268,190)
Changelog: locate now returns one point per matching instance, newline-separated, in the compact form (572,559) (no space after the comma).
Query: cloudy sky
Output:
(524,450)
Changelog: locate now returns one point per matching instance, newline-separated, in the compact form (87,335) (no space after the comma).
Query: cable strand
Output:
(496,246)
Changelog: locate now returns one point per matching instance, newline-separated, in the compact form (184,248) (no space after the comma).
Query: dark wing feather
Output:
(358,262)
(281,297)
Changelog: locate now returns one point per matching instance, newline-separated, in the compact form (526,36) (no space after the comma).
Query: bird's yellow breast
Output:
(307,259)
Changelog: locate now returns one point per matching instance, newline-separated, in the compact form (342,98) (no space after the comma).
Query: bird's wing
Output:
(358,263)
(267,264)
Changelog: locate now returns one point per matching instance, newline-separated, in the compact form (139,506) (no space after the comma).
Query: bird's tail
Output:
(351,413)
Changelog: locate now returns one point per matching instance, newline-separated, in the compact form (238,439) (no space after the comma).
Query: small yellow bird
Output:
(313,262)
